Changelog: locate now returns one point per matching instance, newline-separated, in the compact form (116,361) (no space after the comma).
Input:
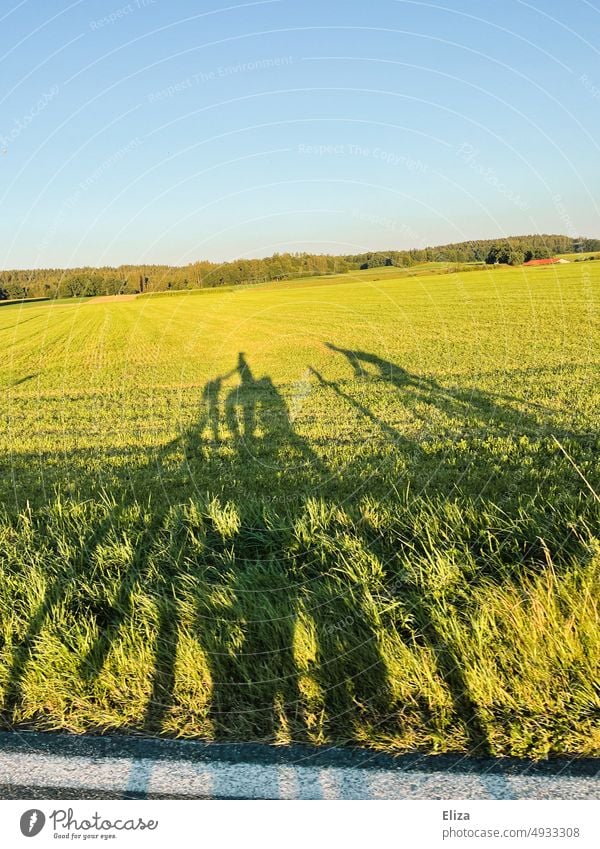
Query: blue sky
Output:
(155,131)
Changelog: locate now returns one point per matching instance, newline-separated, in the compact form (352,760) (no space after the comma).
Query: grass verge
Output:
(417,628)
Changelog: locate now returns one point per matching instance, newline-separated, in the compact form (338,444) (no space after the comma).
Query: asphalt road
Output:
(61,766)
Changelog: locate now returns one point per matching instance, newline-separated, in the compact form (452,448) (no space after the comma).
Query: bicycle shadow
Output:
(248,426)
(223,589)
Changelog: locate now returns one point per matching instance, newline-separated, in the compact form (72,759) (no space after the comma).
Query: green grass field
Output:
(355,513)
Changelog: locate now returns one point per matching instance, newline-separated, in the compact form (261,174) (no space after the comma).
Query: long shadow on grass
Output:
(493,415)
(465,442)
(247,604)
(65,572)
(291,644)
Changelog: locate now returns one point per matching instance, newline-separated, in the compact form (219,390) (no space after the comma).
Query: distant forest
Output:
(130,279)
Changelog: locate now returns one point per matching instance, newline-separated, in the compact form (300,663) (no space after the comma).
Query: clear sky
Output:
(174,130)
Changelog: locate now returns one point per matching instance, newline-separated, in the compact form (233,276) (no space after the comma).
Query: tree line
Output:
(512,250)
(133,279)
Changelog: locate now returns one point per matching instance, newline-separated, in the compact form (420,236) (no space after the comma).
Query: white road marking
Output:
(221,779)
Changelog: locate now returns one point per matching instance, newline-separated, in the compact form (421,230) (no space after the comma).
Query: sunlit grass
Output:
(361,512)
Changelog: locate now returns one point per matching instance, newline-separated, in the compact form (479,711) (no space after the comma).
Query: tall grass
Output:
(196,624)
(358,513)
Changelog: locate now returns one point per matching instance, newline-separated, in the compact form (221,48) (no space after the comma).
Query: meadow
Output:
(359,509)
